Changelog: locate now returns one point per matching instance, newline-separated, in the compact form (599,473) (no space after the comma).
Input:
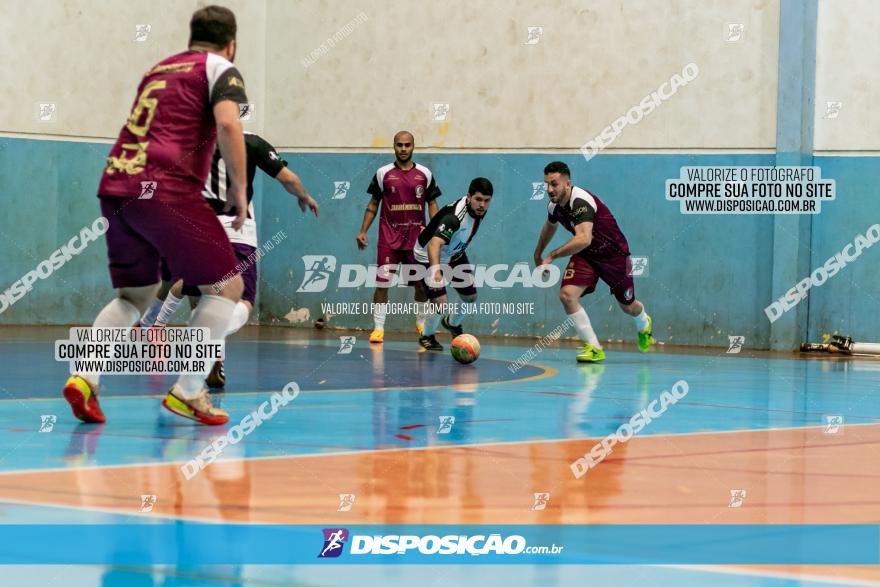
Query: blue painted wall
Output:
(708,276)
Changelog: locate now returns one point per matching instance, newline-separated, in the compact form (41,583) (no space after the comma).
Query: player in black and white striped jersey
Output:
(259,154)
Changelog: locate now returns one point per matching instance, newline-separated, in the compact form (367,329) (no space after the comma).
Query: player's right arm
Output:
(369,215)
(547,232)
(375,190)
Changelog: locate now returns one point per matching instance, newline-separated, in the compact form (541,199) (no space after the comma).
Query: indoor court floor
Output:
(760,438)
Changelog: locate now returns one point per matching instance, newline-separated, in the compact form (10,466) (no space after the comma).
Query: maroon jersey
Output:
(582,207)
(170,135)
(403,195)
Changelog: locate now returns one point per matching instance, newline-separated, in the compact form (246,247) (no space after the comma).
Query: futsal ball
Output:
(465,348)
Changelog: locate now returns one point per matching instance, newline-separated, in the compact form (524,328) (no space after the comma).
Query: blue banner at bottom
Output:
(168,543)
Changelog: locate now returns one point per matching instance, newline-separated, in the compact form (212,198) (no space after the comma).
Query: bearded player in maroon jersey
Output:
(402,188)
(597,250)
(185,104)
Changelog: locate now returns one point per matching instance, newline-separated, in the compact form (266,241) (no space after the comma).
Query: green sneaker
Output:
(590,354)
(645,338)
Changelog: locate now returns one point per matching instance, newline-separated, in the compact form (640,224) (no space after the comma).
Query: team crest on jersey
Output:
(420,190)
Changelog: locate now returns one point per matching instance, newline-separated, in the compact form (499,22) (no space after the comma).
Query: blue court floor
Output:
(374,423)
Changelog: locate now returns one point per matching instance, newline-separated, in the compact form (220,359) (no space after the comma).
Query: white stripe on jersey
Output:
(577,194)
(221,179)
(427,173)
(380,175)
(215,66)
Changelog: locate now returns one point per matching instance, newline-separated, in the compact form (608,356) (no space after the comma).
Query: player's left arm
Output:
(432,192)
(268,160)
(583,236)
(294,186)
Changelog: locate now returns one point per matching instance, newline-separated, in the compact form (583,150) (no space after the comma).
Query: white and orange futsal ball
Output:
(465,348)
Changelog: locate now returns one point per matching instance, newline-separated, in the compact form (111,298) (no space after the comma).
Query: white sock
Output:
(168,310)
(239,318)
(432,320)
(213,312)
(117,314)
(379,311)
(421,314)
(458,316)
(150,315)
(641,321)
(584,328)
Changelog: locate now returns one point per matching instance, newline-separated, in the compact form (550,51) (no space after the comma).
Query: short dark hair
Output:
(480,184)
(212,25)
(557,167)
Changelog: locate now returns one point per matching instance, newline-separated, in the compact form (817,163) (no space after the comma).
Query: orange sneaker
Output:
(83,400)
(377,336)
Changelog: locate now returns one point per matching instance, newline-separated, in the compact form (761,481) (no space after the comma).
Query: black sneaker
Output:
(217,377)
(455,330)
(429,343)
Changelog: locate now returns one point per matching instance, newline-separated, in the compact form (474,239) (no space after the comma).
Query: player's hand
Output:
(309,202)
(362,241)
(235,197)
(548,260)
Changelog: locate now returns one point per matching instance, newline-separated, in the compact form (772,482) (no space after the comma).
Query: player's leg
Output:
(152,312)
(242,313)
(198,251)
(386,265)
(580,278)
(421,300)
(410,267)
(467,291)
(617,273)
(173,297)
(134,272)
(436,297)
(380,310)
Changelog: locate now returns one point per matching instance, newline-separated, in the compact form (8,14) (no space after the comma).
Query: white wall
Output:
(597,58)
(83,57)
(847,66)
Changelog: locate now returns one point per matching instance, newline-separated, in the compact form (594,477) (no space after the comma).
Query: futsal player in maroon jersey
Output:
(184,105)
(402,188)
(597,250)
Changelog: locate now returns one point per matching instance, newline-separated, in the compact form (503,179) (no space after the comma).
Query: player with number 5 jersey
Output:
(151,195)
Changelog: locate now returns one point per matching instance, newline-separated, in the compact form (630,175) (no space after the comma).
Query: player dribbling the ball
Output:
(597,250)
(443,242)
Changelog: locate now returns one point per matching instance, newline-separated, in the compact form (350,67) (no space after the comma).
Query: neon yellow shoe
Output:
(645,338)
(377,336)
(198,408)
(590,354)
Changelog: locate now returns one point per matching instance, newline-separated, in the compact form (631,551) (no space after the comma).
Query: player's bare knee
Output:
(469,299)
(633,308)
(568,296)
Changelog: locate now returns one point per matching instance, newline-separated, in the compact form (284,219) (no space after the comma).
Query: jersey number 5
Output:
(145,105)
